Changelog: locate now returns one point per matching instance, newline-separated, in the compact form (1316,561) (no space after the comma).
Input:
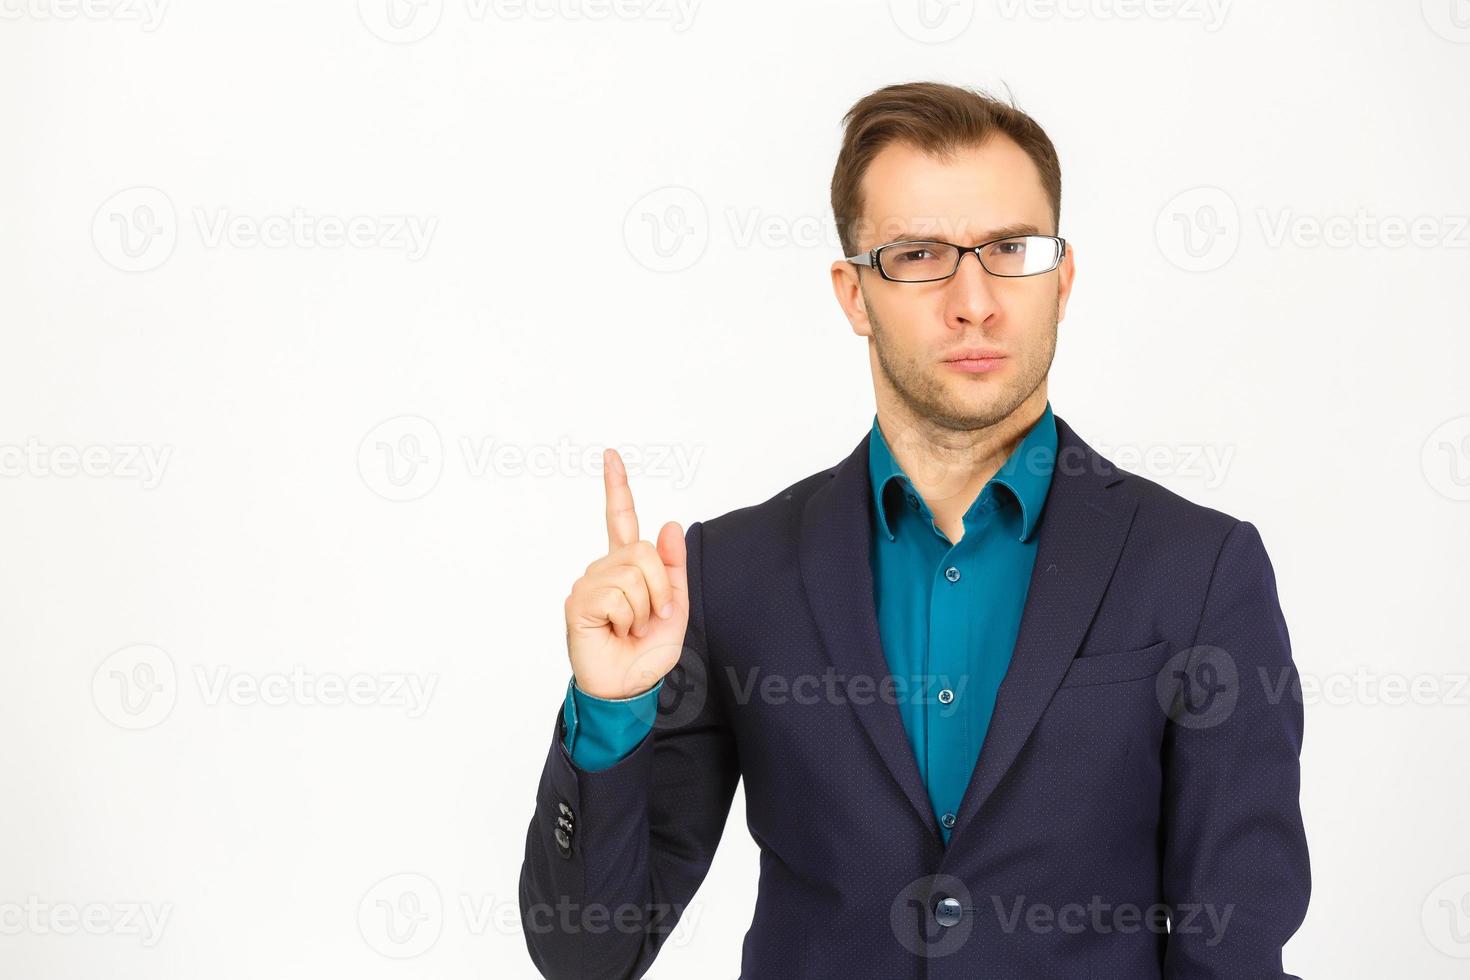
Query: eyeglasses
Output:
(929,261)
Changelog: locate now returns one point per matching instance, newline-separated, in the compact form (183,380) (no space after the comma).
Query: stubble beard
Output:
(924,394)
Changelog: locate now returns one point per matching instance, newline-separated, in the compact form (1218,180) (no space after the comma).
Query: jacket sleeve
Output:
(1236,877)
(614,856)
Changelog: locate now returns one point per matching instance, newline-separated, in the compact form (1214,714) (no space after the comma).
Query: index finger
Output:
(622,521)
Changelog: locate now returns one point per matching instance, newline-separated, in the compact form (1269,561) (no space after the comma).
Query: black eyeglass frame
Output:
(870,257)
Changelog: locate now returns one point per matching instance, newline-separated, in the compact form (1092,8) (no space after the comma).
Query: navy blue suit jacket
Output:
(1134,812)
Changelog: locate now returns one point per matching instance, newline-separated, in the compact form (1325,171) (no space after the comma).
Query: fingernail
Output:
(667,610)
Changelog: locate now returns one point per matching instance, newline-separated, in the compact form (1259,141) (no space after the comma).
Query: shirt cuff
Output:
(601,732)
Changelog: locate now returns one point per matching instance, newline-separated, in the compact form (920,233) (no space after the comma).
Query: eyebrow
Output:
(1008,231)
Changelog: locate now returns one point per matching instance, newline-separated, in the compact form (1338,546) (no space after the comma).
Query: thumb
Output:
(675,556)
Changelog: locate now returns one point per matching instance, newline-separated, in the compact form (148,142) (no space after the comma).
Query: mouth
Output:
(977,360)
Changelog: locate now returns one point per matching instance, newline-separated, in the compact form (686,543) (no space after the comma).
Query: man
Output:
(1001,708)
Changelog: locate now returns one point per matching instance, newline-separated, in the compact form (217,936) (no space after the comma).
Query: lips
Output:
(975,360)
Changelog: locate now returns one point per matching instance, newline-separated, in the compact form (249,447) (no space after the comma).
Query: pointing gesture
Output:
(627,614)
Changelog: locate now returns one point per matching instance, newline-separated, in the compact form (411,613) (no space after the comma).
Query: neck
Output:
(949,467)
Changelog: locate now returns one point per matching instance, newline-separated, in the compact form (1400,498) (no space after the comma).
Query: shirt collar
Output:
(1026,473)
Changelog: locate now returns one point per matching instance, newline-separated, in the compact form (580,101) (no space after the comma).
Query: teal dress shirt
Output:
(948,614)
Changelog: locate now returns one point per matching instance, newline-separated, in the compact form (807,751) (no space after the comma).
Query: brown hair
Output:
(938,119)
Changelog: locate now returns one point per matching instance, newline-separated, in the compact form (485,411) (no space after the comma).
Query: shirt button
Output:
(913,500)
(948,821)
(947,911)
(946,696)
(952,573)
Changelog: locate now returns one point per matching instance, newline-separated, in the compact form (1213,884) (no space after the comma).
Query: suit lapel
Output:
(1083,524)
(836,532)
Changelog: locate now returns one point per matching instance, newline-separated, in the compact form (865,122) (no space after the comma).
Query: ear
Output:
(1065,273)
(848,288)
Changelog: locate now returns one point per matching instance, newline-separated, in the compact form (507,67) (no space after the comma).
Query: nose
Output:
(970,297)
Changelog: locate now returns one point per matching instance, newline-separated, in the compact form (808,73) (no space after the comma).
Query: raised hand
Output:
(627,614)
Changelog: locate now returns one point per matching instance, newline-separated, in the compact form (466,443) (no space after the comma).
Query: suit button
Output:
(563,842)
(948,911)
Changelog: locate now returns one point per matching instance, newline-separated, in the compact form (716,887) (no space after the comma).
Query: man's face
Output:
(915,329)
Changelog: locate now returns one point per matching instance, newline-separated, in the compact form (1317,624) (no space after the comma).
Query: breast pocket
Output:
(1112,668)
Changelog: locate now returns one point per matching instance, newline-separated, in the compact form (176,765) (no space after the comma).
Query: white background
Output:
(291,395)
